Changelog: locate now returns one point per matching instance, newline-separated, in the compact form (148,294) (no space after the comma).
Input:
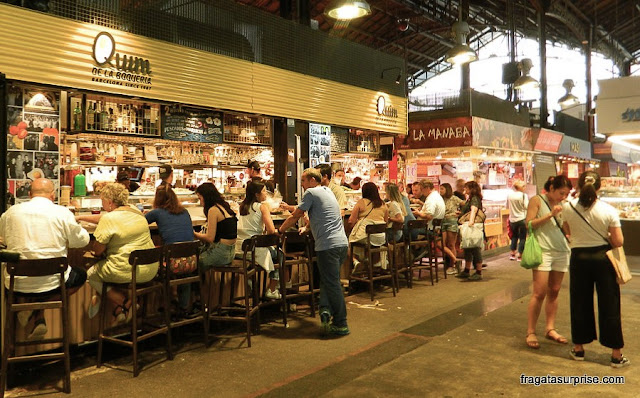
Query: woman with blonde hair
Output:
(397,210)
(122,230)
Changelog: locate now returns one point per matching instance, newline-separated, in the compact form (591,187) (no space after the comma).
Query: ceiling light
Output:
(568,99)
(525,81)
(347,9)
(461,53)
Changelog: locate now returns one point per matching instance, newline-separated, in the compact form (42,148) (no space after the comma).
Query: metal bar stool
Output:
(249,298)
(297,252)
(182,251)
(136,258)
(34,268)
(370,275)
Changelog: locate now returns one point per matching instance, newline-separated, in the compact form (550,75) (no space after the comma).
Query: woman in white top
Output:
(517,201)
(397,210)
(255,219)
(544,213)
(595,228)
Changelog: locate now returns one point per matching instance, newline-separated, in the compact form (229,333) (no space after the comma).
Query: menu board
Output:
(196,126)
(339,140)
(319,144)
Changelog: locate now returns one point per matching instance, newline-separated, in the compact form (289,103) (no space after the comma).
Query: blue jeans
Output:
(519,234)
(331,296)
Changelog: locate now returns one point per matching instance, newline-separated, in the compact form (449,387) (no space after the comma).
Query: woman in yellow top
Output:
(119,232)
(367,211)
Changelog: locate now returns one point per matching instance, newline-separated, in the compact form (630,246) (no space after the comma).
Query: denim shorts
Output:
(216,255)
(450,225)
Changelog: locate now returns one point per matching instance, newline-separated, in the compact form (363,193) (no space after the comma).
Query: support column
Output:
(4,101)
(542,37)
(589,100)
(304,14)
(465,69)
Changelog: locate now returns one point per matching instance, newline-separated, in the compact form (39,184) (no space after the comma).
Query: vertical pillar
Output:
(542,37)
(304,14)
(589,100)
(465,69)
(4,101)
(285,9)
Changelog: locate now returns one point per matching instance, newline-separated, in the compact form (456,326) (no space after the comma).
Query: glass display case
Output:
(625,199)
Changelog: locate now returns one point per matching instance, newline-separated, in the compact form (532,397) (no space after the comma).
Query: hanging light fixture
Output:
(461,53)
(568,99)
(525,81)
(346,10)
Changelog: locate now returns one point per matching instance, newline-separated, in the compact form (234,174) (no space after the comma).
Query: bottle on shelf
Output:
(91,116)
(79,185)
(77,117)
(104,117)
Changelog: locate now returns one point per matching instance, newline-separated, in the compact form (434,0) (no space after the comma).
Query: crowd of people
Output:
(573,235)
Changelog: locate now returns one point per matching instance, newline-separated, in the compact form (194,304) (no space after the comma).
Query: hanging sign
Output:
(493,134)
(548,141)
(441,133)
(195,126)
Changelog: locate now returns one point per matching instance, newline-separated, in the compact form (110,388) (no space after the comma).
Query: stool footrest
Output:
(36,357)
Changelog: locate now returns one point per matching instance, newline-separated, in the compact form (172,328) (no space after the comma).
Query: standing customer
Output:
(472,256)
(331,247)
(255,219)
(450,225)
(517,202)
(174,225)
(41,229)
(595,228)
(545,213)
(221,230)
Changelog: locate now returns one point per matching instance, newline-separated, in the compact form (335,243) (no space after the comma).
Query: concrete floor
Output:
(454,339)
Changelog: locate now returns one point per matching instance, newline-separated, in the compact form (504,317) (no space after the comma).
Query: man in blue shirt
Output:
(331,247)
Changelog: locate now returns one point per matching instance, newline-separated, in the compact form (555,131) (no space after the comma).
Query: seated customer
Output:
(119,232)
(255,219)
(40,229)
(367,211)
(221,230)
(174,225)
(397,210)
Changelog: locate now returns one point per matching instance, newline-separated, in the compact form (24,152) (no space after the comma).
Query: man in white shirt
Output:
(433,207)
(40,229)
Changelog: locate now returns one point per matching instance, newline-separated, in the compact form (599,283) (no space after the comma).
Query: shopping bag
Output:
(471,236)
(619,262)
(532,254)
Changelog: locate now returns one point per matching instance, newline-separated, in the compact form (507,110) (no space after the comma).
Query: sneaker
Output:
(358,267)
(273,294)
(620,363)
(288,285)
(451,271)
(23,317)
(512,257)
(40,329)
(579,355)
(342,330)
(463,275)
(325,319)
(475,277)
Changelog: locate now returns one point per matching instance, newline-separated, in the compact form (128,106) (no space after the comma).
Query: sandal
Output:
(534,344)
(94,306)
(125,314)
(558,338)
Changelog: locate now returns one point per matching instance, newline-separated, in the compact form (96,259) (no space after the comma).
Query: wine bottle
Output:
(77,116)
(91,116)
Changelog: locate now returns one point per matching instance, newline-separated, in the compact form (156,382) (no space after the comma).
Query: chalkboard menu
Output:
(196,126)
(339,140)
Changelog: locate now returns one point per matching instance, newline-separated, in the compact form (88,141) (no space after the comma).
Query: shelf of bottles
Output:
(247,129)
(96,113)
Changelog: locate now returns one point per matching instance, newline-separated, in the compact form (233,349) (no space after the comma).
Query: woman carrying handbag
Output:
(591,222)
(544,213)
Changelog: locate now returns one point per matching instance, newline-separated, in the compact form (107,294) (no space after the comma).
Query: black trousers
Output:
(590,267)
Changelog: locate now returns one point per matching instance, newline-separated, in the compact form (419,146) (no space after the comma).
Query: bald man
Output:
(40,229)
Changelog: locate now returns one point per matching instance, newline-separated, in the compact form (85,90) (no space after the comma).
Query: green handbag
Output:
(532,254)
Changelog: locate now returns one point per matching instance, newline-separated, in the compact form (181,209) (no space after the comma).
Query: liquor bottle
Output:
(104,117)
(112,119)
(91,116)
(77,116)
(132,120)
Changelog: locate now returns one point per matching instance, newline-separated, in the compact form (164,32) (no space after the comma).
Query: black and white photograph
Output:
(324,141)
(38,122)
(22,189)
(319,138)
(314,152)
(15,96)
(19,163)
(31,141)
(14,116)
(40,101)
(47,163)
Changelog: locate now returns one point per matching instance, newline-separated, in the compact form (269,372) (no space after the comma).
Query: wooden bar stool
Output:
(437,246)
(265,242)
(418,248)
(135,290)
(248,303)
(370,275)
(398,254)
(34,268)
(297,252)
(178,252)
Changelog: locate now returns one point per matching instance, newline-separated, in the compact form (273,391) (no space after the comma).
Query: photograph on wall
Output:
(45,165)
(14,95)
(22,189)
(19,163)
(31,142)
(15,143)
(319,144)
(14,116)
(50,140)
(40,101)
(38,122)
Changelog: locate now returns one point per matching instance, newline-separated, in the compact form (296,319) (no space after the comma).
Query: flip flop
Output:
(558,339)
(533,344)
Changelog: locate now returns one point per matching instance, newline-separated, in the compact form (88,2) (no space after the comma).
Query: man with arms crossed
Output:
(331,247)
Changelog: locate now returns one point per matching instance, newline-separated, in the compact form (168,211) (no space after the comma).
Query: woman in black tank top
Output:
(221,228)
